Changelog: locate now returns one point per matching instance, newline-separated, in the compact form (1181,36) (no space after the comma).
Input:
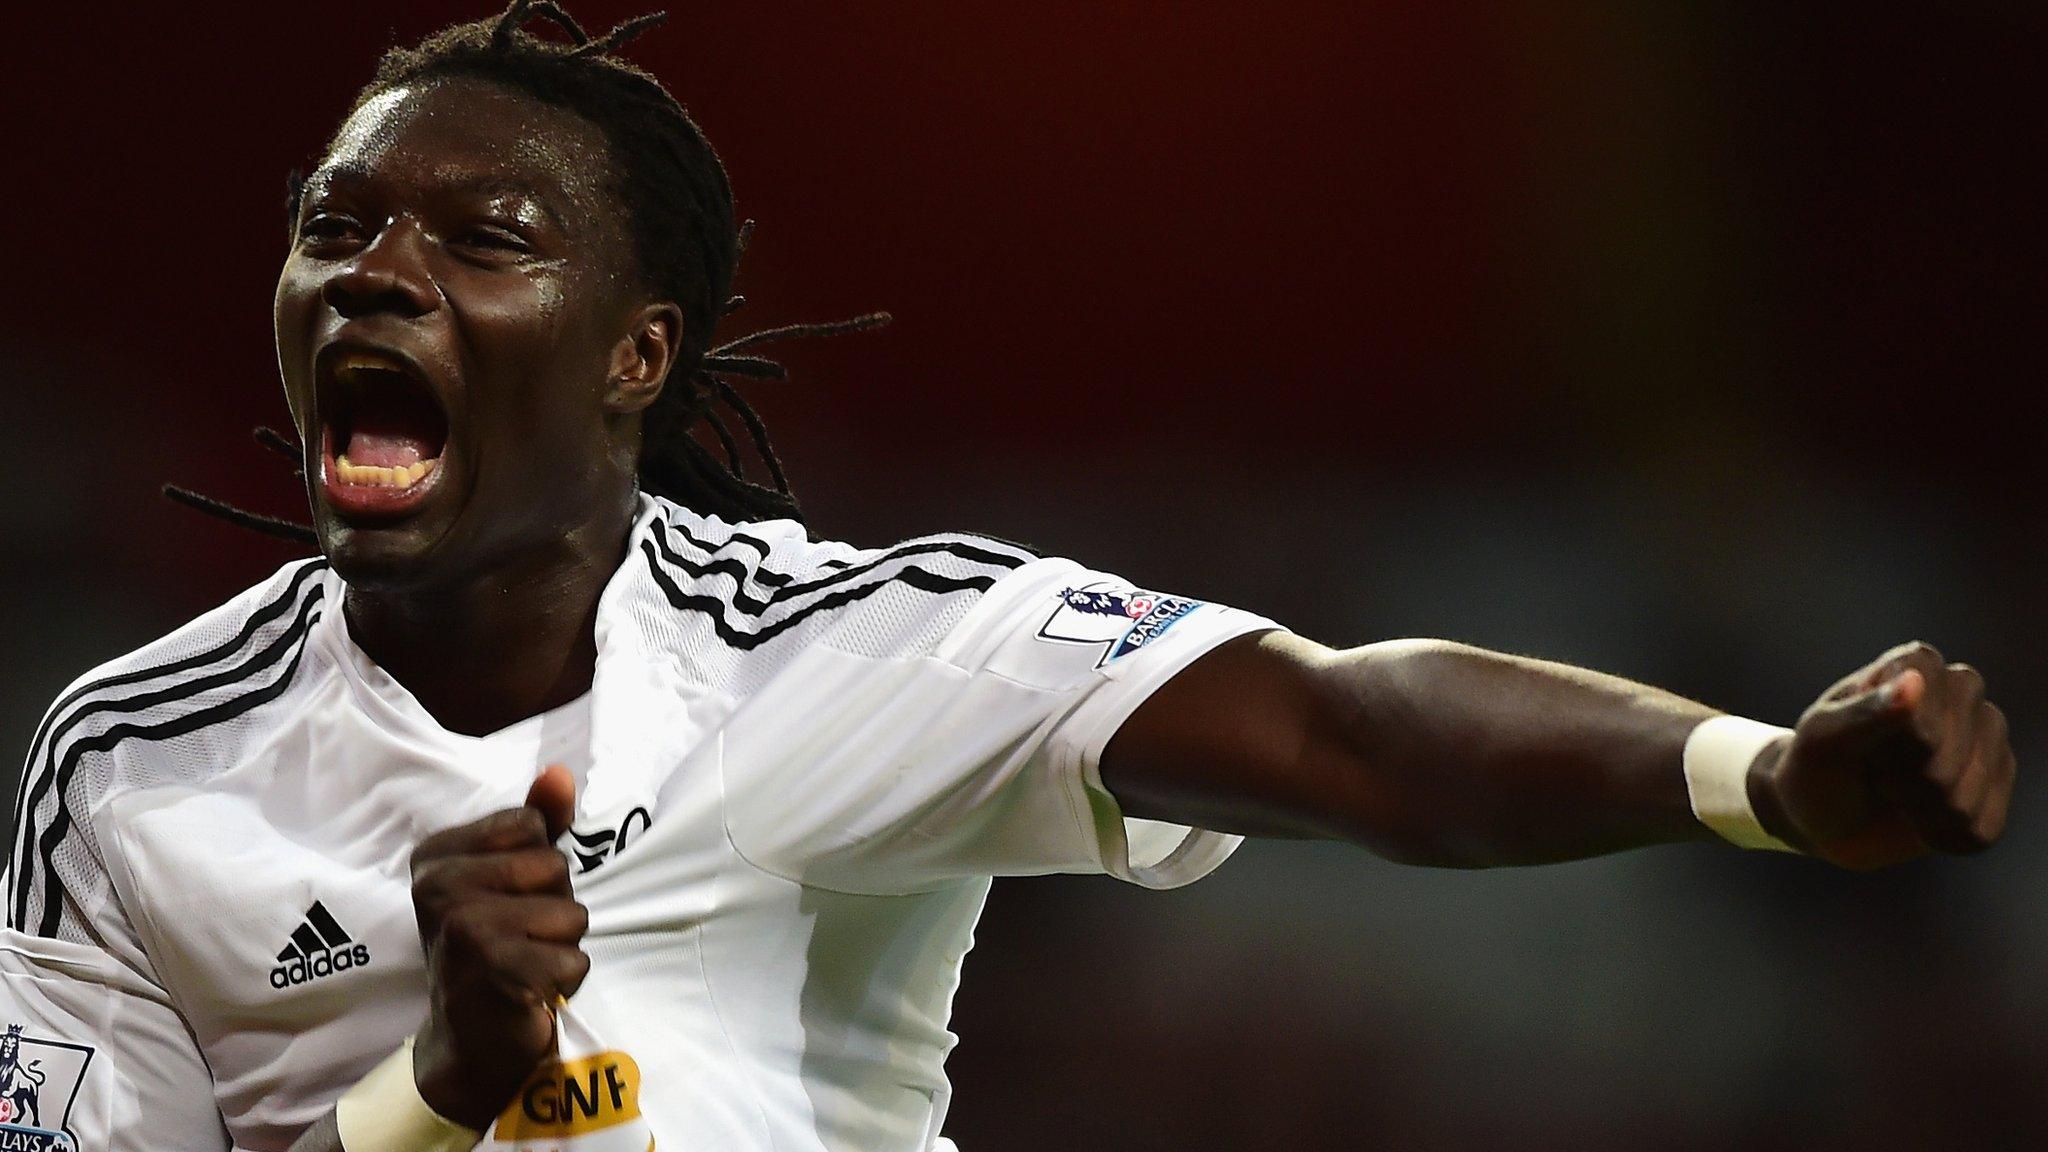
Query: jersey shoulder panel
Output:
(749,597)
(173,711)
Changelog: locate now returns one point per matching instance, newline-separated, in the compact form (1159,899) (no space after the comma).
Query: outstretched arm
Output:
(1439,753)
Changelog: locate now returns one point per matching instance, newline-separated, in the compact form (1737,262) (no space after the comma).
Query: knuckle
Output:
(554,870)
(1968,680)
(1995,725)
(516,826)
(561,920)
(533,870)
(575,969)
(1960,802)
(497,832)
(1918,653)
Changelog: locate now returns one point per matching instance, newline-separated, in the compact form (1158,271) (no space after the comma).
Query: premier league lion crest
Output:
(1117,617)
(39,1081)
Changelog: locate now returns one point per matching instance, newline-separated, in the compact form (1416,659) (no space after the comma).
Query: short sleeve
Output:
(978,755)
(95,1057)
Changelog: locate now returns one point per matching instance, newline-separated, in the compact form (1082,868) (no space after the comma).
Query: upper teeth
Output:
(382,477)
(367,361)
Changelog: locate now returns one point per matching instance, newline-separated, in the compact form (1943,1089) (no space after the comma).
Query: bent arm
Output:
(1425,751)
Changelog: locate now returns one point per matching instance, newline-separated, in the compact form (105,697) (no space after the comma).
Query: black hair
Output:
(687,247)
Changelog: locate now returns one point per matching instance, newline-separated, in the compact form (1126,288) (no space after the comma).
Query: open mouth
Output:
(383,433)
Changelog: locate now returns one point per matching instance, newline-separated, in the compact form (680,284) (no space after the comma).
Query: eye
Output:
(326,229)
(495,239)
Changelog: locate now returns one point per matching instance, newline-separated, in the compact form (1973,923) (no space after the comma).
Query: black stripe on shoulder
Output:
(714,608)
(270,611)
(735,568)
(34,785)
(790,588)
(772,579)
(992,538)
(62,770)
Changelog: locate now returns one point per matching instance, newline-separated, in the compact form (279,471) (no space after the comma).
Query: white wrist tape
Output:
(1718,756)
(385,1113)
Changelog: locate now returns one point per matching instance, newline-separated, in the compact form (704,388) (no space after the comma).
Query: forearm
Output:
(389,1111)
(1447,754)
(1424,751)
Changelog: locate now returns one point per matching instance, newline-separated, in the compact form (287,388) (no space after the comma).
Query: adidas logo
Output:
(318,948)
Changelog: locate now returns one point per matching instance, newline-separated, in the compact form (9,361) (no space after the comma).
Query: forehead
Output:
(465,130)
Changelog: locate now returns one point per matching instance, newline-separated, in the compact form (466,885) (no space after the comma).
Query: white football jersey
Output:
(797,768)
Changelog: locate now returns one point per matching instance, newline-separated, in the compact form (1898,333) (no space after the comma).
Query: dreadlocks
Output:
(686,243)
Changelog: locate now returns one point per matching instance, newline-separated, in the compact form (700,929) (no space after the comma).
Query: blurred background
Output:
(1689,342)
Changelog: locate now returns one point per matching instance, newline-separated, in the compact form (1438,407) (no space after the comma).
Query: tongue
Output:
(390,440)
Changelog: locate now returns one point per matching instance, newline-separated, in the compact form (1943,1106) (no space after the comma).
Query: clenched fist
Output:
(501,928)
(1902,757)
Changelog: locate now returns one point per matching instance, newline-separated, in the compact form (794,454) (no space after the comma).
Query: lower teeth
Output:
(376,477)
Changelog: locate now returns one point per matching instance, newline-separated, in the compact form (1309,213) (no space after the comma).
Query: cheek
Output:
(298,291)
(539,367)
(298,288)
(512,318)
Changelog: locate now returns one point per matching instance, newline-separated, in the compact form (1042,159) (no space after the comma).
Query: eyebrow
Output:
(480,186)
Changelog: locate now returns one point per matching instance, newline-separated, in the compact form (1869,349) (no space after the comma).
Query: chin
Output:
(381,557)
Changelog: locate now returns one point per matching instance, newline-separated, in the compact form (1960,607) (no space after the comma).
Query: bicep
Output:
(93,1054)
(1250,738)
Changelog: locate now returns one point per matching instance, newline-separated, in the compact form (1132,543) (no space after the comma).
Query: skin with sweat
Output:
(467,229)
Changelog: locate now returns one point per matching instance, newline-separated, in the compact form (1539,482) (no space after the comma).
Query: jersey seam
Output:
(150,946)
(1067,766)
(704,964)
(149,934)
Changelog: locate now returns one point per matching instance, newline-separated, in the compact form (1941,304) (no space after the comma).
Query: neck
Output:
(509,643)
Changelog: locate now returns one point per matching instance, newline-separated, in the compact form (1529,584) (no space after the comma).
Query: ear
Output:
(642,358)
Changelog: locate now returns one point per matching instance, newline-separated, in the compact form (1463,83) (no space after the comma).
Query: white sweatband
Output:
(385,1113)
(1718,756)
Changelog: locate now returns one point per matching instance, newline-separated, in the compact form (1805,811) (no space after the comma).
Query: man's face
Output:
(446,323)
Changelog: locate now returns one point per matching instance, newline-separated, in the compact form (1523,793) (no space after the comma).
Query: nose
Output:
(389,275)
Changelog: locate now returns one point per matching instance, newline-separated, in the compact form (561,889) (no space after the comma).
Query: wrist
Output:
(1730,765)
(1761,785)
(386,1112)
(446,1087)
